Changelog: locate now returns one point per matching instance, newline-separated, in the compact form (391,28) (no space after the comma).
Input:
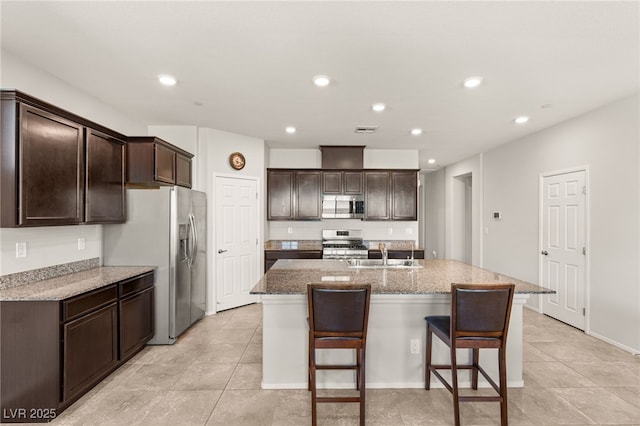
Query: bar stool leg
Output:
(358,356)
(362,386)
(312,387)
(504,412)
(474,370)
(454,382)
(427,369)
(310,361)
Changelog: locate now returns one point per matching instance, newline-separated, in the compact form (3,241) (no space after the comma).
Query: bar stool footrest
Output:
(338,399)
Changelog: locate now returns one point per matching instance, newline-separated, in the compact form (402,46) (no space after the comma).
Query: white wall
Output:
(434,217)
(49,246)
(606,140)
(17,74)
(214,147)
(311,230)
(371,158)
(294,158)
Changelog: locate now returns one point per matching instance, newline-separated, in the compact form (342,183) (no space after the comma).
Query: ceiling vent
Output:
(366,129)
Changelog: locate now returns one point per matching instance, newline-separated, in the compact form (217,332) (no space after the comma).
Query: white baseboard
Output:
(614,343)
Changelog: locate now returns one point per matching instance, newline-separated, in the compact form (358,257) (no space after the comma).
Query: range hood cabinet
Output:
(342,156)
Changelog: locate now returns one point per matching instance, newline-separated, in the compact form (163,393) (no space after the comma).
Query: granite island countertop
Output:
(70,285)
(291,276)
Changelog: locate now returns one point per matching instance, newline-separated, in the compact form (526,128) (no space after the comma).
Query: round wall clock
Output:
(236,160)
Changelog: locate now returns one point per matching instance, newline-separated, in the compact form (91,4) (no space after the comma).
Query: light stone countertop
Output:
(291,276)
(70,285)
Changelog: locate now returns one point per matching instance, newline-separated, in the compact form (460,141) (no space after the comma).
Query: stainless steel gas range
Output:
(343,244)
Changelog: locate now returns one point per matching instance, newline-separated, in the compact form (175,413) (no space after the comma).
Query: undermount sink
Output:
(377,264)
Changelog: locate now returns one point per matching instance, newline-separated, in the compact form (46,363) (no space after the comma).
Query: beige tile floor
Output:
(211,376)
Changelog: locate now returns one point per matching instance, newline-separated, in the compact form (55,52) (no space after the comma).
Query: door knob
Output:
(546,253)
(221,251)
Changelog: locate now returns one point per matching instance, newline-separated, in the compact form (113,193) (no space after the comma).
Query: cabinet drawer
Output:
(135,285)
(88,302)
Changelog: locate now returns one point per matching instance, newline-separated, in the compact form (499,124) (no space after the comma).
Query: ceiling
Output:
(247,67)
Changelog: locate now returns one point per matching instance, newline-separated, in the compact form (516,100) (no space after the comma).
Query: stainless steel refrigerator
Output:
(166,228)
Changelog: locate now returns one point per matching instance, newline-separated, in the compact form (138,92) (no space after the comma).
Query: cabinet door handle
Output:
(220,251)
(544,252)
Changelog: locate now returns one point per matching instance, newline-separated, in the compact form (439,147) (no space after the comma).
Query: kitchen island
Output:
(401,298)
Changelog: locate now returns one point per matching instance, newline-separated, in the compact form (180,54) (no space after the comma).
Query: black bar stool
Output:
(479,319)
(338,317)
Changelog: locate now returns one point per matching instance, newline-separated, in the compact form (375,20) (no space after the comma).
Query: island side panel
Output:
(393,321)
(284,341)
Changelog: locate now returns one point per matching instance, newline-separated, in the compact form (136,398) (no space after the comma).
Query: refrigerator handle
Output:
(194,238)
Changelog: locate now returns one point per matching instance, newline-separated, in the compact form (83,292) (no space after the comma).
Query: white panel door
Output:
(236,241)
(563,247)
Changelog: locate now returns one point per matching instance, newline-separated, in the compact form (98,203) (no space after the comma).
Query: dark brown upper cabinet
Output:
(340,182)
(51,172)
(152,161)
(376,195)
(293,194)
(183,170)
(391,195)
(404,195)
(280,194)
(307,200)
(105,184)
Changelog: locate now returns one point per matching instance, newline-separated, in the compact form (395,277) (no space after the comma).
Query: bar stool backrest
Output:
(481,311)
(339,310)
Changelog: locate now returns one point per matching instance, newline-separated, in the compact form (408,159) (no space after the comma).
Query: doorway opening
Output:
(462,235)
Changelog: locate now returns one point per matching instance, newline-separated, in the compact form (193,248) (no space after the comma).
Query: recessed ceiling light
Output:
(321,80)
(290,130)
(472,82)
(167,80)
(379,107)
(521,120)
(416,132)
(431,161)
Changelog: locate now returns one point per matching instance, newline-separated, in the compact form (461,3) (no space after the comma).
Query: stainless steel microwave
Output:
(343,206)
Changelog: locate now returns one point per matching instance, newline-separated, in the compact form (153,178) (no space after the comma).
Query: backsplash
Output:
(312,230)
(26,277)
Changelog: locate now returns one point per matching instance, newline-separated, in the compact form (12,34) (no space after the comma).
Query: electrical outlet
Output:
(81,243)
(414,346)
(390,231)
(289,230)
(21,250)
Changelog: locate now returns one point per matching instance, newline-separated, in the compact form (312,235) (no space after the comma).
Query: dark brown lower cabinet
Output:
(90,350)
(53,352)
(397,254)
(136,322)
(272,256)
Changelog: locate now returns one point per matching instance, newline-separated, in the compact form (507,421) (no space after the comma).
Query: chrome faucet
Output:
(412,246)
(385,254)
